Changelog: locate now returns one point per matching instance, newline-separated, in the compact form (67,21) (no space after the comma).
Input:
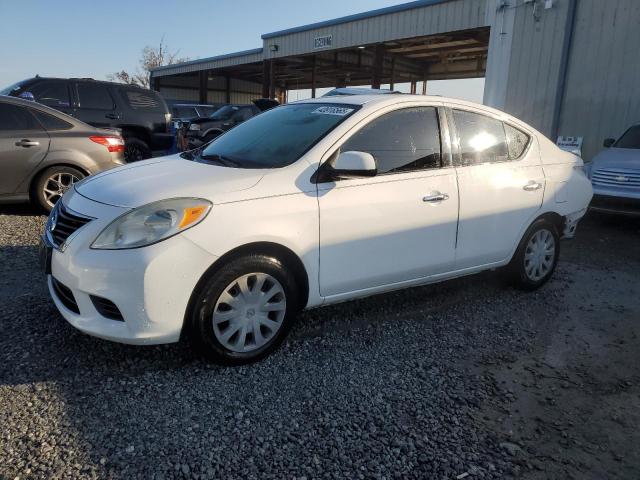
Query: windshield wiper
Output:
(221,159)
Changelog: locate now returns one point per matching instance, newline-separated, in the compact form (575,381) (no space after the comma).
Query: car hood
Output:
(625,158)
(148,181)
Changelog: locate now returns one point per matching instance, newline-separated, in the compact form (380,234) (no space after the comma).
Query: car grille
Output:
(65,295)
(609,177)
(66,224)
(106,308)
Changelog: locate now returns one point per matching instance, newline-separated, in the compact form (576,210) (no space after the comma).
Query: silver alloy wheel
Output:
(249,312)
(539,255)
(56,185)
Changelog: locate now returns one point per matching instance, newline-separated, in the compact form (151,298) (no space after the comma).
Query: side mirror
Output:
(609,142)
(349,165)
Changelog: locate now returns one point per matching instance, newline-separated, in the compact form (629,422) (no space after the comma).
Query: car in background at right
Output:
(615,175)
(202,130)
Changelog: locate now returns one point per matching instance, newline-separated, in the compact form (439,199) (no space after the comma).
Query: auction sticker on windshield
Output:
(341,111)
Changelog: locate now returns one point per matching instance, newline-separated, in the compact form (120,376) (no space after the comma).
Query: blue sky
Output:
(71,38)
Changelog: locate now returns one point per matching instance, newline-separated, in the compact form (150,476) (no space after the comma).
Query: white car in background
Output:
(305,205)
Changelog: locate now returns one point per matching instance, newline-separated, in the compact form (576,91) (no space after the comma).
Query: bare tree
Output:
(152,57)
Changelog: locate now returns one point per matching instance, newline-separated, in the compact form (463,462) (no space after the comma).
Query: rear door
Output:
(96,105)
(23,145)
(392,227)
(501,185)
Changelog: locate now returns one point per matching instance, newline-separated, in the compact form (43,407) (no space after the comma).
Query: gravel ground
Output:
(468,378)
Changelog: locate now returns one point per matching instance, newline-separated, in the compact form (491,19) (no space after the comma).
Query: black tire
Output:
(41,192)
(135,150)
(517,268)
(200,329)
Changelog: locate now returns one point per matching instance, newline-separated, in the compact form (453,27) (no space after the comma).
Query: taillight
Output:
(167,121)
(113,144)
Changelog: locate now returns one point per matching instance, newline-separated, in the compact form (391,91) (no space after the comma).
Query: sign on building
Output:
(323,42)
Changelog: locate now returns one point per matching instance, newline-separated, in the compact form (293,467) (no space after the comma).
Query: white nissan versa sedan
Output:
(305,205)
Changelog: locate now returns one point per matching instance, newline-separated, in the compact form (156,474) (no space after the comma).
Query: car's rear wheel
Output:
(537,256)
(136,150)
(243,310)
(53,183)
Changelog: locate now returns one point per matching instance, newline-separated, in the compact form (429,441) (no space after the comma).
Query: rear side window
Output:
(94,96)
(139,99)
(184,112)
(51,93)
(481,139)
(400,141)
(517,141)
(50,122)
(14,118)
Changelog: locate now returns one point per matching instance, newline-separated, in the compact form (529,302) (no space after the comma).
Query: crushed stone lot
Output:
(464,379)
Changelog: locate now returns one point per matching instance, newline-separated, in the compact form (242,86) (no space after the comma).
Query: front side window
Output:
(14,118)
(94,96)
(400,141)
(51,93)
(277,137)
(629,139)
(481,139)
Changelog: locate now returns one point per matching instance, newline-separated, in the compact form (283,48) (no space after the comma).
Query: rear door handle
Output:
(27,143)
(435,197)
(532,185)
(112,116)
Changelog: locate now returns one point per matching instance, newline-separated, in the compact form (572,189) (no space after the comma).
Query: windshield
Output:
(630,138)
(276,138)
(224,113)
(12,88)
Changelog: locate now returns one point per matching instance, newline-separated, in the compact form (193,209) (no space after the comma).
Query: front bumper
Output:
(150,286)
(615,205)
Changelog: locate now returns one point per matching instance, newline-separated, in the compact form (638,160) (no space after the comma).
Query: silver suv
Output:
(43,152)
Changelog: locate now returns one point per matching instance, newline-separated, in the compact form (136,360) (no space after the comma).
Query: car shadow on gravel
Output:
(21,209)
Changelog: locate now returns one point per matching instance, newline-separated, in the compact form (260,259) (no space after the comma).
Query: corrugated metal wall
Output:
(186,88)
(602,94)
(534,66)
(444,17)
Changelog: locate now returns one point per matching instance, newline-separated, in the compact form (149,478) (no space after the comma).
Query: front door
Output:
(399,225)
(23,145)
(501,184)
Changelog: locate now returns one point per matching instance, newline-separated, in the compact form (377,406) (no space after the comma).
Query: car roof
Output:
(396,98)
(38,106)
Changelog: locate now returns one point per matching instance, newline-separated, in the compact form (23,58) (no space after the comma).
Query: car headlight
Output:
(194,126)
(152,223)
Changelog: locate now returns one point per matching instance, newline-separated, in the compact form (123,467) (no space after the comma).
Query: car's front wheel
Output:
(243,310)
(537,256)
(53,183)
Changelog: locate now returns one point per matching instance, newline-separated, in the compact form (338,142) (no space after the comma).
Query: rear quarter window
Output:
(143,100)
(51,122)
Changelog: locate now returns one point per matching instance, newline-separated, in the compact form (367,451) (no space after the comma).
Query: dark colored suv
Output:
(140,113)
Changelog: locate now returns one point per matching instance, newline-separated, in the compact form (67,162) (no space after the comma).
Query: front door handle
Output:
(27,143)
(112,116)
(435,197)
(532,185)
